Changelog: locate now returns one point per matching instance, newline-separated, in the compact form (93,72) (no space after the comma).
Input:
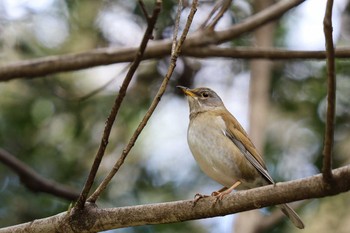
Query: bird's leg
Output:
(215,193)
(220,194)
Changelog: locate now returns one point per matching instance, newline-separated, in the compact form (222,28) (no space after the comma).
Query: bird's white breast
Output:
(214,152)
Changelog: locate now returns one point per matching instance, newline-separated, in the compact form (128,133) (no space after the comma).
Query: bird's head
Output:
(202,99)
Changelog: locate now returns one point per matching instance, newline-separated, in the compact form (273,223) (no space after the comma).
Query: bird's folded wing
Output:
(239,137)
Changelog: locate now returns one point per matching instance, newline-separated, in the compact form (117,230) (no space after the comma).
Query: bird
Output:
(223,150)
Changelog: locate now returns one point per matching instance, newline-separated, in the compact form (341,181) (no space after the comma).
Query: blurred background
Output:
(49,124)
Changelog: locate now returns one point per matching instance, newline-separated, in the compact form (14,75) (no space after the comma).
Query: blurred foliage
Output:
(45,123)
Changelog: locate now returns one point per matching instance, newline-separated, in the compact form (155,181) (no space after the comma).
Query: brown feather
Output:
(238,132)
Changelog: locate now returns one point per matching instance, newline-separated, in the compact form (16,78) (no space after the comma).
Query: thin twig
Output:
(96,91)
(152,107)
(52,64)
(34,181)
(212,12)
(101,88)
(220,7)
(177,25)
(144,10)
(112,116)
(331,94)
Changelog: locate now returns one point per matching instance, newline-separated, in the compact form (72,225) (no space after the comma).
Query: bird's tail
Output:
(292,215)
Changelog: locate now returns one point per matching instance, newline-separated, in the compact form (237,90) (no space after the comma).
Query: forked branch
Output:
(115,109)
(53,64)
(175,53)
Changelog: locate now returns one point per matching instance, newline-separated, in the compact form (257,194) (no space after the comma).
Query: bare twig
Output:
(212,12)
(220,7)
(153,106)
(331,94)
(53,64)
(144,10)
(269,14)
(177,25)
(95,219)
(96,91)
(34,181)
(111,118)
(101,88)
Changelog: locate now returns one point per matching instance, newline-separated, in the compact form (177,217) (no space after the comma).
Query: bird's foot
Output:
(215,193)
(197,197)
(220,194)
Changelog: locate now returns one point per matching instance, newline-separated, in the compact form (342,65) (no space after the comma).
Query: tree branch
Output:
(175,53)
(113,114)
(261,53)
(265,16)
(53,64)
(34,181)
(93,219)
(331,94)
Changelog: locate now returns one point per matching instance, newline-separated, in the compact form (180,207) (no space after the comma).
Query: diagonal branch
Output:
(265,16)
(219,8)
(113,114)
(34,181)
(53,64)
(331,95)
(175,53)
(94,219)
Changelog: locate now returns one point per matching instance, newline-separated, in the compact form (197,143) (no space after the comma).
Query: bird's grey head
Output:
(202,99)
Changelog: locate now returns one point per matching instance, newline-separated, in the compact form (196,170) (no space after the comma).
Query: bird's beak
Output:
(186,91)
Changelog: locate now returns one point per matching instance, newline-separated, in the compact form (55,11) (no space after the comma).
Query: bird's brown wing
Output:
(236,133)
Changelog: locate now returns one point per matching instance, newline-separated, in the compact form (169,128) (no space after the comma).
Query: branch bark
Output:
(93,219)
(34,181)
(53,64)
(331,92)
(261,53)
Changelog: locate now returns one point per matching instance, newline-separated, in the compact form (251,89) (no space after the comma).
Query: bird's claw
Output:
(218,196)
(215,193)
(197,197)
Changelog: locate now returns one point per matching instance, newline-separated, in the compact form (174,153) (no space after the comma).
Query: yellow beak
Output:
(186,91)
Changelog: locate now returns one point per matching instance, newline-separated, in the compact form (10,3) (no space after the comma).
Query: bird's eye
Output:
(205,94)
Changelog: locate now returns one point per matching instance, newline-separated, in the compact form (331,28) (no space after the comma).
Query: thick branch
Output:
(53,64)
(261,53)
(93,219)
(331,81)
(34,181)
